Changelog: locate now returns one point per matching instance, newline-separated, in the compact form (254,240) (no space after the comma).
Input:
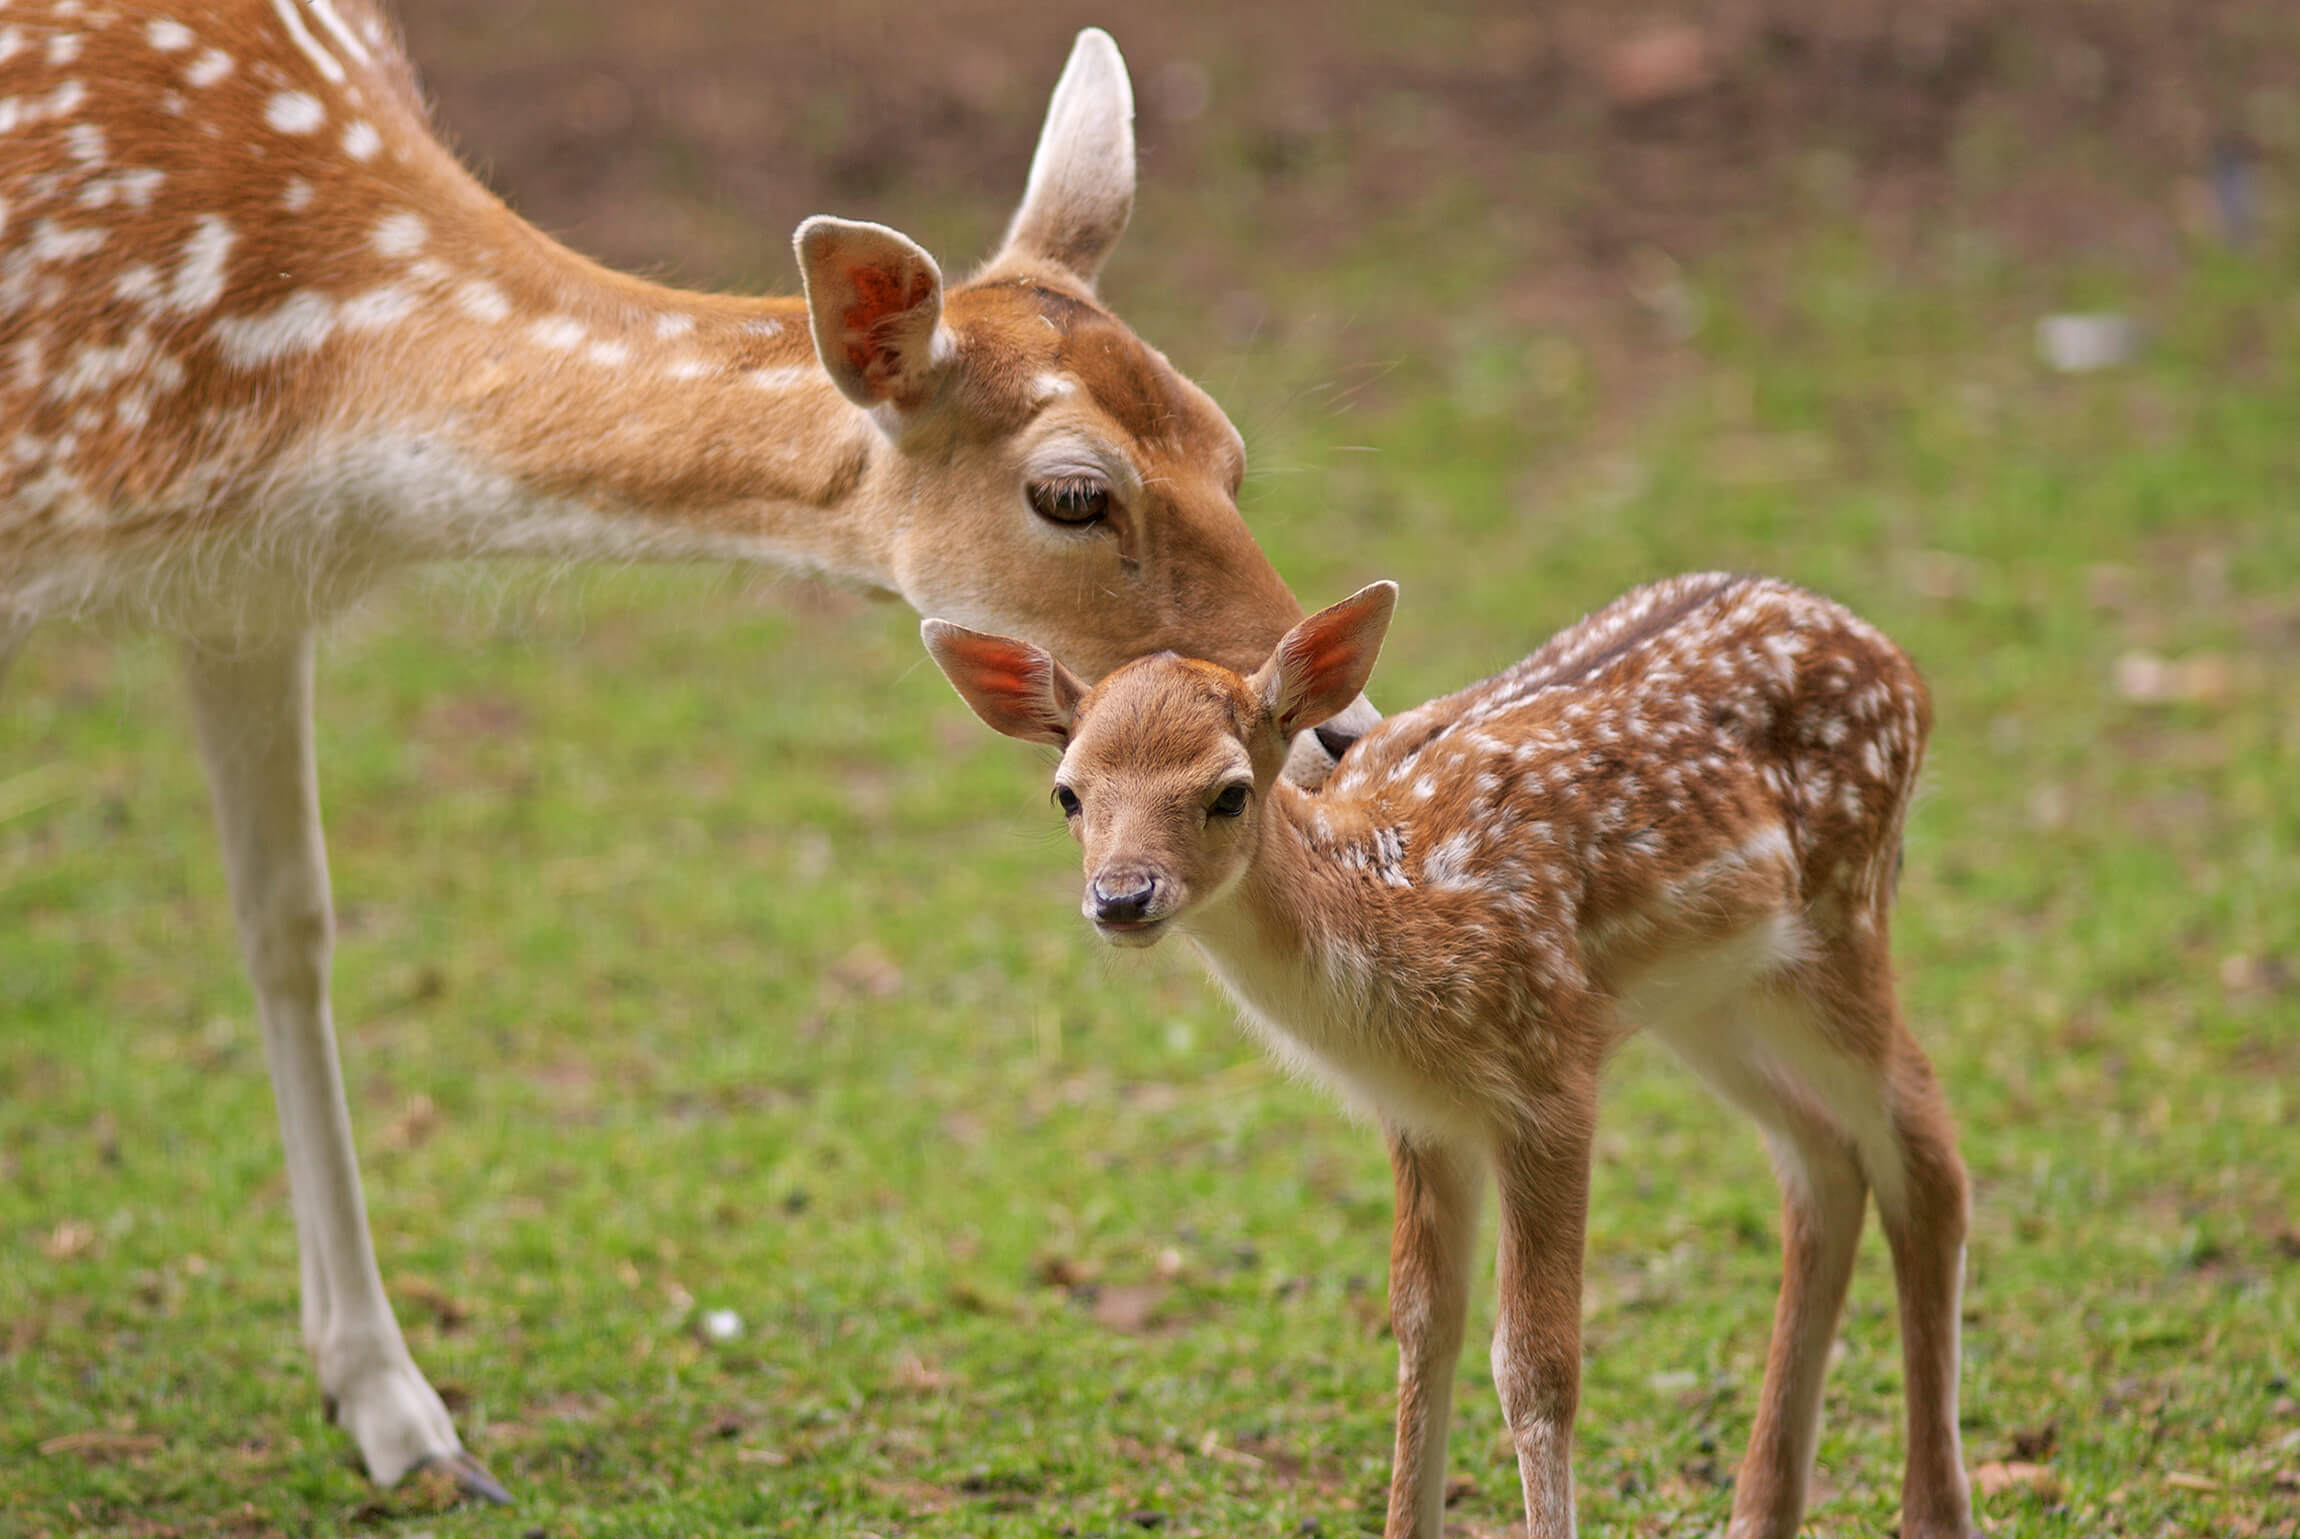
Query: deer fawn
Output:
(262,339)
(1683,814)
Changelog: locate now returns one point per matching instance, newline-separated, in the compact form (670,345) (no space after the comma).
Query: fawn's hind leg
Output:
(1925,1219)
(1824,1198)
(1906,1143)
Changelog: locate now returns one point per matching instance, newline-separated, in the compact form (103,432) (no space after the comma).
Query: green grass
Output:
(700,952)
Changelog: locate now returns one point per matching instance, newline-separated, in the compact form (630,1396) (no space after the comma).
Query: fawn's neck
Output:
(1294,938)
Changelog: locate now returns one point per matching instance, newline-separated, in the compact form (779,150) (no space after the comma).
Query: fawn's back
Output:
(1695,786)
(1691,729)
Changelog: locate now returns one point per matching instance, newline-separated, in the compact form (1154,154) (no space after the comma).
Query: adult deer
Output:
(1683,814)
(262,339)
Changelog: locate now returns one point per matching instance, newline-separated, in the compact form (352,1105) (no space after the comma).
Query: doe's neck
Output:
(533,402)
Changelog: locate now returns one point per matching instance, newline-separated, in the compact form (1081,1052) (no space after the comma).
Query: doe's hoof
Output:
(470,1477)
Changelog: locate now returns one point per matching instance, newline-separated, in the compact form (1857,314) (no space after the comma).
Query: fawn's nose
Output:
(1123,897)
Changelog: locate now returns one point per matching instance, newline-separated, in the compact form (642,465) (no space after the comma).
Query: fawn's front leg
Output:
(1429,1292)
(1542,1171)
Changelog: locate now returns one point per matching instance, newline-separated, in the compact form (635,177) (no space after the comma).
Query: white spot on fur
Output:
(560,333)
(482,301)
(199,280)
(295,112)
(296,196)
(66,99)
(302,322)
(399,234)
(210,67)
(672,324)
(168,36)
(1447,866)
(608,354)
(63,48)
(361,141)
(688,368)
(377,308)
(52,242)
(139,284)
(94,367)
(788,377)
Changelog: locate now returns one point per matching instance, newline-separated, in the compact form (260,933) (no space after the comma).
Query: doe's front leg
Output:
(1543,1177)
(252,709)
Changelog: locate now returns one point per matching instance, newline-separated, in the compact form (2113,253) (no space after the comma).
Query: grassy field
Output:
(701,953)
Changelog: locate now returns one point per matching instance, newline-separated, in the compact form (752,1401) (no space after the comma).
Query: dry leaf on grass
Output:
(919,1376)
(1066,1271)
(1999,1476)
(415,1124)
(1130,1307)
(68,1239)
(99,1445)
(442,1306)
(2147,679)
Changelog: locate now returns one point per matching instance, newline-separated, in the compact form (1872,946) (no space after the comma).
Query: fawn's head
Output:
(1167,764)
(1051,473)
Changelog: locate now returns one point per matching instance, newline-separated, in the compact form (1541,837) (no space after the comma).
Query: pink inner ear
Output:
(1009,677)
(880,294)
(1320,653)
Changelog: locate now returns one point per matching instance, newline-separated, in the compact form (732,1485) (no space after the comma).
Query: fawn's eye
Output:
(1076,502)
(1230,803)
(1067,800)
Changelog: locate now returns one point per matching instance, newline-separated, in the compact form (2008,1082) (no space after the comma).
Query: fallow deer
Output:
(1683,814)
(263,339)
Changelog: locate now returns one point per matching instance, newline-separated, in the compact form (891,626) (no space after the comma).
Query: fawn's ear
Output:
(874,300)
(1323,663)
(1082,178)
(1017,688)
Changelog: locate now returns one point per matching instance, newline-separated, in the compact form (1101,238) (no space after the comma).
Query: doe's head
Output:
(1051,474)
(1168,765)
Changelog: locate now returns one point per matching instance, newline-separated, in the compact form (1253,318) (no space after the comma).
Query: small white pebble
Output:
(722,1324)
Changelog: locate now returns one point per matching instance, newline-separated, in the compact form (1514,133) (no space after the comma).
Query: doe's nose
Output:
(1123,897)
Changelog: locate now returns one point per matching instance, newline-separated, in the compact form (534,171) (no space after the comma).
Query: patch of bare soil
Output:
(689,136)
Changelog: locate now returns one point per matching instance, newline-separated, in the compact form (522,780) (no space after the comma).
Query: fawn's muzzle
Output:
(1123,897)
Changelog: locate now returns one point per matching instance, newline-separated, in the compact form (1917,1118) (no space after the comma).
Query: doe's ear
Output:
(874,301)
(1017,688)
(1323,663)
(1081,189)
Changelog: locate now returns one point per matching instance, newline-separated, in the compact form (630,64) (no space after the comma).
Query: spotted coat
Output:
(1487,874)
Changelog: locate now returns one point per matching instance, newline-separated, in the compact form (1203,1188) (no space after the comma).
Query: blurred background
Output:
(701,954)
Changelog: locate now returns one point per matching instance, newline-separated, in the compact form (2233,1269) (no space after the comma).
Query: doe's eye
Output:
(1073,501)
(1230,803)
(1067,800)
